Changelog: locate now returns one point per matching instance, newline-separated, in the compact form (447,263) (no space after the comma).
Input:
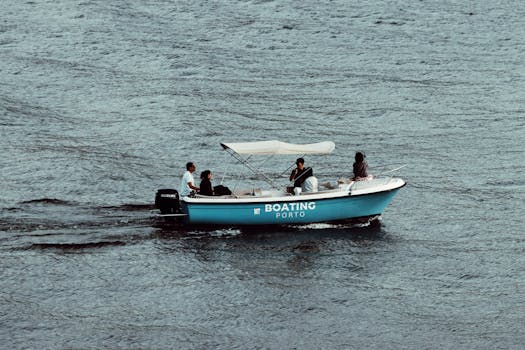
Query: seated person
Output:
(187,182)
(206,188)
(299,174)
(360,167)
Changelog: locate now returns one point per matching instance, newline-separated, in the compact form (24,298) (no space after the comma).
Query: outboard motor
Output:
(167,201)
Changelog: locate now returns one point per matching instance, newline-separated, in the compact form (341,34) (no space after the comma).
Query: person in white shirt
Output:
(188,183)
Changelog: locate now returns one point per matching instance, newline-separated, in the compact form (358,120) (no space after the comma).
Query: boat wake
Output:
(73,247)
(354,223)
(51,224)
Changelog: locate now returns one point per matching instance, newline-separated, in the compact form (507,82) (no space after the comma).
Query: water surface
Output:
(103,103)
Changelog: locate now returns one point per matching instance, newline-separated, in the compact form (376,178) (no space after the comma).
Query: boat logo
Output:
(287,210)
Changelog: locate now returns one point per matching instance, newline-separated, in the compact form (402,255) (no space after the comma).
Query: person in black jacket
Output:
(300,173)
(206,188)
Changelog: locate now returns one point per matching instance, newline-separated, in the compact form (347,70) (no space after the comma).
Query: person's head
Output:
(300,163)
(359,157)
(190,167)
(206,174)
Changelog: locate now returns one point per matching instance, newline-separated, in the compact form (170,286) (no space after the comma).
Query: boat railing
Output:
(218,197)
(368,183)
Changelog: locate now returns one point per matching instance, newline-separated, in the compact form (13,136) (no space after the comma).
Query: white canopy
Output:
(277,147)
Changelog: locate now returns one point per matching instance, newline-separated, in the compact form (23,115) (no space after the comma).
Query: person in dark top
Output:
(300,173)
(360,167)
(206,188)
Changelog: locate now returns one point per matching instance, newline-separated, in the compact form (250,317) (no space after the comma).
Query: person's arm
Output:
(294,174)
(190,185)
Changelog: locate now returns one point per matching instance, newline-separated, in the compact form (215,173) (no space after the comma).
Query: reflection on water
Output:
(247,248)
(355,229)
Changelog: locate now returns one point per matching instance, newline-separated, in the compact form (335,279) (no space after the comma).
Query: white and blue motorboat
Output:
(345,200)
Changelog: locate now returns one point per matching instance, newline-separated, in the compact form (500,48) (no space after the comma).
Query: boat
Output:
(277,205)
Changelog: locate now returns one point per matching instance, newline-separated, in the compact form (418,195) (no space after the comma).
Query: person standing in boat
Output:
(206,188)
(299,174)
(360,167)
(188,183)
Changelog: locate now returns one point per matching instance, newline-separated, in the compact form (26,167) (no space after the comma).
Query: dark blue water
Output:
(102,103)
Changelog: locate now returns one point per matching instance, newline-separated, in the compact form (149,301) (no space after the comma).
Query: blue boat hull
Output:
(293,211)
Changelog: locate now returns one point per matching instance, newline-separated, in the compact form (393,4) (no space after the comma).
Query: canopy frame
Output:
(256,171)
(273,148)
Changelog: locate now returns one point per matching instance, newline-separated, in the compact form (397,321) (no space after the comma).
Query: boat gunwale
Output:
(317,196)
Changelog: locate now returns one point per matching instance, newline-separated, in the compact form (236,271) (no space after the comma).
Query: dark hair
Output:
(299,160)
(205,173)
(359,157)
(189,165)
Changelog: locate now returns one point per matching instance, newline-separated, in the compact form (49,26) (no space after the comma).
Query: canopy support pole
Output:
(252,168)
